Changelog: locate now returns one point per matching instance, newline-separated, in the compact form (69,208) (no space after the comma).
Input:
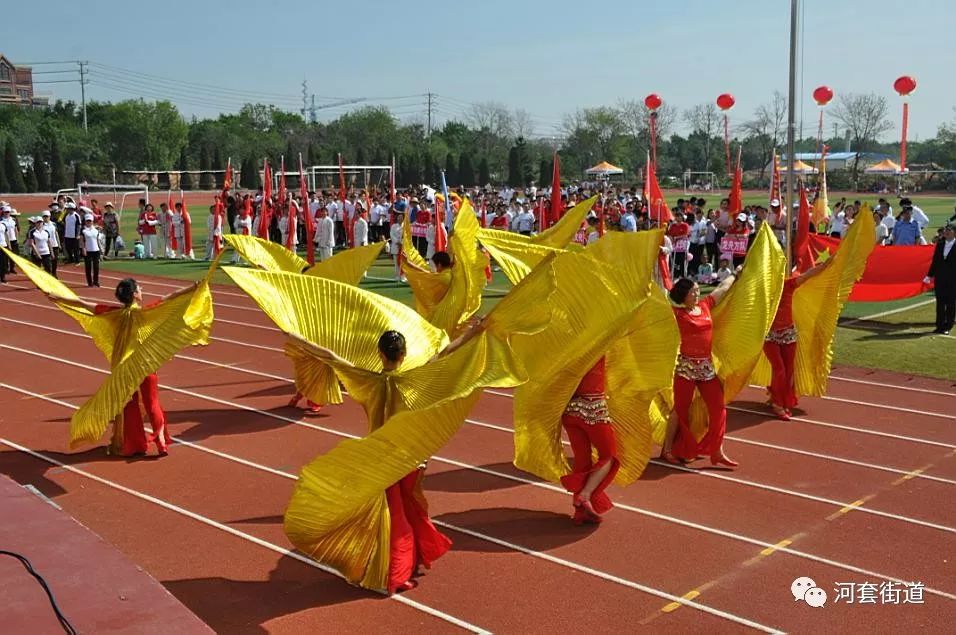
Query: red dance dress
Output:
(145,400)
(588,425)
(695,370)
(414,539)
(780,347)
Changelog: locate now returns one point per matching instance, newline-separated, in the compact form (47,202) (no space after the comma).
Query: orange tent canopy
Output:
(604,168)
(885,166)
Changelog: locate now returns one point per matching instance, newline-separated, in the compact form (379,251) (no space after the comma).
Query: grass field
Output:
(898,340)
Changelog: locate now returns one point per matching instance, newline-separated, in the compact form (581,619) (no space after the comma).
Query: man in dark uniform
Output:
(942,271)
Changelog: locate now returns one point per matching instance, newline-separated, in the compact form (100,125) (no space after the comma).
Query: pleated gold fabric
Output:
(817,304)
(604,305)
(348,266)
(136,341)
(338,514)
(266,254)
(742,319)
(409,251)
(562,233)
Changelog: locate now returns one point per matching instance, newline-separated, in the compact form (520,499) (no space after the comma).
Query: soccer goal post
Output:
(695,182)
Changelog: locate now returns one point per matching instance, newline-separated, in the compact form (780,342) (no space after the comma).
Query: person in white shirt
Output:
(50,227)
(162,229)
(284,223)
(9,228)
(360,230)
(917,214)
(395,240)
(40,244)
(882,233)
(324,234)
(4,265)
(838,224)
(777,218)
(73,225)
(593,234)
(90,244)
(214,230)
(378,221)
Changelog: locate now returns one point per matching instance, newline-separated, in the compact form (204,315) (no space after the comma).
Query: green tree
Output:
(312,156)
(4,181)
(11,166)
(466,172)
(58,178)
(360,156)
(40,170)
(484,173)
(545,169)
(451,171)
(185,179)
(30,179)
(217,164)
(79,173)
(249,175)
(206,180)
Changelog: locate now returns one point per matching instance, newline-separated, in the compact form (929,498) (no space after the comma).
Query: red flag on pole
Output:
(391,193)
(283,194)
(736,197)
(484,212)
(556,206)
(775,178)
(657,208)
(217,227)
(801,245)
(343,195)
(173,243)
(265,212)
(187,227)
(309,219)
(441,234)
(247,214)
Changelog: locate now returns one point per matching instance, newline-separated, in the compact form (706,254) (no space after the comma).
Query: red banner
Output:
(892,273)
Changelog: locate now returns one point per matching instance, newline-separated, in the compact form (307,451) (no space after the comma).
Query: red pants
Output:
(583,437)
(781,388)
(135,440)
(685,445)
(414,539)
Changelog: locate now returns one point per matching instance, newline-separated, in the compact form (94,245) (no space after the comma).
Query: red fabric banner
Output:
(892,273)
(309,218)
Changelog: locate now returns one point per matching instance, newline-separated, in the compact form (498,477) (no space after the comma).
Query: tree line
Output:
(48,149)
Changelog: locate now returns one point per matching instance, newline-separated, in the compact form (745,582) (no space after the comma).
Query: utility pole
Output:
(791,125)
(83,91)
(429,128)
(305,97)
(312,116)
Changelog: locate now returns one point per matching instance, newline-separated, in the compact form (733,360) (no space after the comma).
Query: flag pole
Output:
(791,128)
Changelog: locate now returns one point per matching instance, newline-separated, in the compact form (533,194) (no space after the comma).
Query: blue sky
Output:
(547,58)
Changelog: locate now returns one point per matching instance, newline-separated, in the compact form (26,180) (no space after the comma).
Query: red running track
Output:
(847,492)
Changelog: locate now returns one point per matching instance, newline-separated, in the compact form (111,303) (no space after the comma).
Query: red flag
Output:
(556,207)
(484,213)
(173,243)
(247,214)
(665,271)
(775,178)
(217,227)
(656,205)
(187,227)
(283,194)
(309,219)
(227,180)
(892,272)
(601,226)
(441,235)
(801,246)
(736,189)
(265,212)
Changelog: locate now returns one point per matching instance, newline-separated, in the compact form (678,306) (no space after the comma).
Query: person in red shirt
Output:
(679,233)
(780,347)
(695,371)
(588,425)
(146,226)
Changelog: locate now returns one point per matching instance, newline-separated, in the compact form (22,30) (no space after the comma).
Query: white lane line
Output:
(878,405)
(547,486)
(234,532)
(903,309)
(597,573)
(894,386)
(491,426)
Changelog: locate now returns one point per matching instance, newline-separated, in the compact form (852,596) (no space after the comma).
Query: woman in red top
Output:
(588,425)
(780,347)
(695,370)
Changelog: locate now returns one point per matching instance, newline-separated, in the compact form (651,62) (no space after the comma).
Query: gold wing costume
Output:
(448,298)
(313,379)
(136,341)
(741,321)
(605,305)
(338,513)
(817,304)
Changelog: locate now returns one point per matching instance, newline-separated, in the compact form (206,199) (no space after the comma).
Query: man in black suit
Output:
(942,271)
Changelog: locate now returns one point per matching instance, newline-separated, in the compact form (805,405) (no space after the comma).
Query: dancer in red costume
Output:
(780,347)
(588,425)
(695,370)
(413,539)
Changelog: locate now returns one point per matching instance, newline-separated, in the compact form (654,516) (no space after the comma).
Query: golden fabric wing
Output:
(817,304)
(148,338)
(428,288)
(742,319)
(342,318)
(266,254)
(409,251)
(102,328)
(517,258)
(314,379)
(348,266)
(563,232)
(338,514)
(640,378)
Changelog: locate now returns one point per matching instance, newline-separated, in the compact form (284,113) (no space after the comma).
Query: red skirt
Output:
(414,539)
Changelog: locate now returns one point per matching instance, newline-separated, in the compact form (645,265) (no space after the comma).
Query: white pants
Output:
(149,245)
(324,253)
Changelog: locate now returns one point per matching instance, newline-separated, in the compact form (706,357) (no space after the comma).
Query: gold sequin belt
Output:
(695,368)
(787,335)
(589,409)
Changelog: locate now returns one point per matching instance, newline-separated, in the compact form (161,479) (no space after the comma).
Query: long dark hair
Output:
(392,345)
(125,291)
(681,288)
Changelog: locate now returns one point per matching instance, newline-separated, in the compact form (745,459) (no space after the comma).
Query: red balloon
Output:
(725,101)
(823,95)
(653,101)
(904,85)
